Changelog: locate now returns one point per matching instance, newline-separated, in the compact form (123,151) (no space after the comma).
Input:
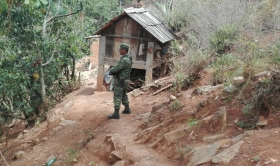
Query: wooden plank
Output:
(136,64)
(129,37)
(156,64)
(133,49)
(101,57)
(134,42)
(161,89)
(127,32)
(117,41)
(102,49)
(100,75)
(149,64)
(109,49)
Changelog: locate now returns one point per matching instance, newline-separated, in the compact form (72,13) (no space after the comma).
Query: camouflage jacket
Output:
(123,68)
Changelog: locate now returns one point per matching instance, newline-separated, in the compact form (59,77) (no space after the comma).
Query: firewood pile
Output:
(154,88)
(135,83)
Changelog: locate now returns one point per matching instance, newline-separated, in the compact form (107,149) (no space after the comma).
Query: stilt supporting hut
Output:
(147,36)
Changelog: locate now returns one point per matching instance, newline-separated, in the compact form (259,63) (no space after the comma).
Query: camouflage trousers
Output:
(120,95)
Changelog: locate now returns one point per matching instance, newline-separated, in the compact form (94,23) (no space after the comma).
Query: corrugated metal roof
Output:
(147,21)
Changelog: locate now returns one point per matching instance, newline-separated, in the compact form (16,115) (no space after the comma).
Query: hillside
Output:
(203,130)
(218,103)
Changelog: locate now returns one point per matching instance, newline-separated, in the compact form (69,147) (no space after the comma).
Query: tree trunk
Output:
(43,88)
(73,68)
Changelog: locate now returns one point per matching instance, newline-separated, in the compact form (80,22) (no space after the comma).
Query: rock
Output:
(267,162)
(204,103)
(19,154)
(136,92)
(218,122)
(66,122)
(119,163)
(227,155)
(237,81)
(246,155)
(208,89)
(173,97)
(262,121)
(159,106)
(58,112)
(57,128)
(25,131)
(230,88)
(68,105)
(142,116)
(44,138)
(206,153)
(209,138)
(117,155)
(187,96)
(111,139)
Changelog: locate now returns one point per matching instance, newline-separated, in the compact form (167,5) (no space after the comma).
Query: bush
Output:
(225,68)
(223,39)
(175,105)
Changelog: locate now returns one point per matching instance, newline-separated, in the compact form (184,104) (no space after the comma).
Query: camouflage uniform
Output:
(122,78)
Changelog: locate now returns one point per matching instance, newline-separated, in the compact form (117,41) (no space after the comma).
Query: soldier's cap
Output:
(124,46)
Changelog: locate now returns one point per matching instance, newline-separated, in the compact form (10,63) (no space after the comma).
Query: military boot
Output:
(126,110)
(115,115)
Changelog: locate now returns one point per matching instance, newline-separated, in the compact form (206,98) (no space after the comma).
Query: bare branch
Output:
(65,15)
(53,51)
(58,6)
(4,158)
(7,103)
(45,19)
(13,116)
(49,59)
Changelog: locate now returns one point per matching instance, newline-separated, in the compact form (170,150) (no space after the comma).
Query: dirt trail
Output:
(86,112)
(78,129)
(80,134)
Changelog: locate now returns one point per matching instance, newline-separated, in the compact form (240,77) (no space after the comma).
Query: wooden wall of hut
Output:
(128,31)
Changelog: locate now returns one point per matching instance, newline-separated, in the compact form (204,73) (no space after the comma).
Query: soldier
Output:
(122,78)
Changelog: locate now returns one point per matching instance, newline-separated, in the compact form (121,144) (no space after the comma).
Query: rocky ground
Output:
(197,126)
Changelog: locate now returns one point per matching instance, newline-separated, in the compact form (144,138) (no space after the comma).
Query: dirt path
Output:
(79,133)
(79,126)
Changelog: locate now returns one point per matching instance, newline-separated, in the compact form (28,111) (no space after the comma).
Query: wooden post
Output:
(100,74)
(149,63)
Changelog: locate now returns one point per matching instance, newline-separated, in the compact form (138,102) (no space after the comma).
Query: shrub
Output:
(175,50)
(225,68)
(72,156)
(192,122)
(222,40)
(175,105)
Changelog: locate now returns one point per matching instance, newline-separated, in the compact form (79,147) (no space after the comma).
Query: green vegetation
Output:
(224,38)
(72,156)
(176,104)
(231,39)
(192,122)
(40,42)
(256,158)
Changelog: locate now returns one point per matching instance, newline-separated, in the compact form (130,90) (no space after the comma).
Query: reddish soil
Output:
(90,137)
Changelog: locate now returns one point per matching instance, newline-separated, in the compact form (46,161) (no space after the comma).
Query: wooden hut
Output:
(146,35)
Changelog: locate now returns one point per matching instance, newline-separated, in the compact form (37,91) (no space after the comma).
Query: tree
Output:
(32,37)
(40,42)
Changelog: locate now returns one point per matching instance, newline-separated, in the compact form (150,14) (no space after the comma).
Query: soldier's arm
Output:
(115,70)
